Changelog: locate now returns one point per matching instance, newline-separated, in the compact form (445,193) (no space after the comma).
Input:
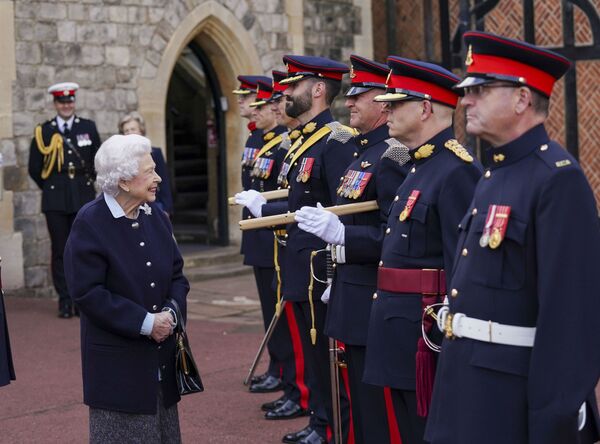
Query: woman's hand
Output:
(162,327)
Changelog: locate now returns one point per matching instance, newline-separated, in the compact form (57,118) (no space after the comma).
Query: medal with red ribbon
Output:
(410,204)
(499,224)
(305,169)
(364,180)
(484,240)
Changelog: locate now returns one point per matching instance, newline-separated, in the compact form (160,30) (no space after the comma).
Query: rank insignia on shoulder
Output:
(269,136)
(459,150)
(309,127)
(53,122)
(495,226)
(410,204)
(562,163)
(341,133)
(365,164)
(77,120)
(424,151)
(396,151)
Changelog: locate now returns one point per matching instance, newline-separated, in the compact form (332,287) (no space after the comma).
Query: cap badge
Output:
(499,157)
(352,73)
(65,93)
(309,127)
(424,151)
(469,58)
(387,80)
(459,150)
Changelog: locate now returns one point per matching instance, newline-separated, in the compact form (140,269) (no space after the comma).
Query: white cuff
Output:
(147,325)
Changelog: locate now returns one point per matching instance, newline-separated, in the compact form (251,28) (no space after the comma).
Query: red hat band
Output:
(366,77)
(263,94)
(64,93)
(436,92)
(278,88)
(488,64)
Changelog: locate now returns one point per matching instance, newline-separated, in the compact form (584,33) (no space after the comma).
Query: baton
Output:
(268,195)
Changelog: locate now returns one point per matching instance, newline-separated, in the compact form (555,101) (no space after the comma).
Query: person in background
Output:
(7,370)
(124,273)
(61,163)
(133,123)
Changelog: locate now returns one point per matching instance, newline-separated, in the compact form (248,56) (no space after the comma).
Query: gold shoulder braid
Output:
(459,150)
(53,153)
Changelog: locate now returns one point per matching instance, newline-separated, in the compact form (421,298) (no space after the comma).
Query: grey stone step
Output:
(206,273)
(196,256)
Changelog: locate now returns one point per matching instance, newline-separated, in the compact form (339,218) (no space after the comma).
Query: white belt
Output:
(461,326)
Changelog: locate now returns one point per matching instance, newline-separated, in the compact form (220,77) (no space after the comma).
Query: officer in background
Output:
(61,162)
(420,238)
(315,169)
(374,175)
(7,370)
(522,354)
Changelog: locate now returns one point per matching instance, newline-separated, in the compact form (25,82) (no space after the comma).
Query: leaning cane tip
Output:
(313,336)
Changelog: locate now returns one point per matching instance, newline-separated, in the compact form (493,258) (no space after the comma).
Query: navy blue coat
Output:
(164,198)
(427,239)
(329,158)
(59,191)
(257,245)
(355,281)
(117,271)
(7,371)
(542,275)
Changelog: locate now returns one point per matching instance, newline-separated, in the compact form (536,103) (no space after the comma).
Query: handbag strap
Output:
(181,322)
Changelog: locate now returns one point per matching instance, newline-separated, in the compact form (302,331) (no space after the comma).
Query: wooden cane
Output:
(288,218)
(268,195)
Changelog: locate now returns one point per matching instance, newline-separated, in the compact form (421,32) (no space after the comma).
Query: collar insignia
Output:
(469,58)
(424,151)
(269,136)
(499,157)
(53,123)
(364,141)
(295,134)
(309,127)
(459,150)
(364,164)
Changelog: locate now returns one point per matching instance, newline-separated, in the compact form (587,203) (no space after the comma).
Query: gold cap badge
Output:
(469,58)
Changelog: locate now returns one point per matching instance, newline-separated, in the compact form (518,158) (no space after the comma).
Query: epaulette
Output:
(554,155)
(396,151)
(459,150)
(286,142)
(339,132)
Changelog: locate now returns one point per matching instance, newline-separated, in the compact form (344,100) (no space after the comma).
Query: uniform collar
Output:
(317,122)
(61,122)
(433,146)
(517,149)
(279,129)
(117,211)
(373,137)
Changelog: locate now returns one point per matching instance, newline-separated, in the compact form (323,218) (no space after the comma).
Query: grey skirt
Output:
(107,426)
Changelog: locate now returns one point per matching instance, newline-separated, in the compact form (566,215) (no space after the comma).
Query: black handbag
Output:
(186,371)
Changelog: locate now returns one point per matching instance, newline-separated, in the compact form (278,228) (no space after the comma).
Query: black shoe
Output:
(65,312)
(268,406)
(270,384)
(259,378)
(75,311)
(292,438)
(288,410)
(313,438)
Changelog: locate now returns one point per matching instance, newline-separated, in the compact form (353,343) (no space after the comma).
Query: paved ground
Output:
(44,404)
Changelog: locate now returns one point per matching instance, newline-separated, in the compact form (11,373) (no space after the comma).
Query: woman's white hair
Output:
(118,159)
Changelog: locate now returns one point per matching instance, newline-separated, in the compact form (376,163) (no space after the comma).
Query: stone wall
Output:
(110,47)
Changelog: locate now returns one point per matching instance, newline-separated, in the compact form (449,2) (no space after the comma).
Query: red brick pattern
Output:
(548,23)
(409,29)
(507,18)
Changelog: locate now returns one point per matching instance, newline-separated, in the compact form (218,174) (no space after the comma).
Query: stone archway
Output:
(230,50)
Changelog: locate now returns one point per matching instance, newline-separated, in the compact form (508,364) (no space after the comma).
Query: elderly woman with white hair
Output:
(124,271)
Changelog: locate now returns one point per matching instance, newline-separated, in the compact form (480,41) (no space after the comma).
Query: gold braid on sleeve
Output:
(53,153)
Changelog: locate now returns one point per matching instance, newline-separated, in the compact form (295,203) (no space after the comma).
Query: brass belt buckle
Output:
(71,171)
(448,326)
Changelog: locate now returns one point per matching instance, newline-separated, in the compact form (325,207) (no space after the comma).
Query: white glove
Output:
(252,200)
(321,223)
(325,295)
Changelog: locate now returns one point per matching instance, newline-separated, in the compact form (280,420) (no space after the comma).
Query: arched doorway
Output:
(196,150)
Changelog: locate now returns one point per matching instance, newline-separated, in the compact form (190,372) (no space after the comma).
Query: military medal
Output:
(364,180)
(305,169)
(410,203)
(499,225)
(487,229)
(267,167)
(343,184)
(350,184)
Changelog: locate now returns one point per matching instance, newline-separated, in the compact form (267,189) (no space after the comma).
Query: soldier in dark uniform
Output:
(375,174)
(313,177)
(7,371)
(61,162)
(420,237)
(522,354)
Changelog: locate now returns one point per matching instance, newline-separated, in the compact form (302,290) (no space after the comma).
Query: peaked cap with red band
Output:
(491,58)
(263,92)
(412,79)
(248,84)
(64,92)
(302,67)
(366,74)
(278,88)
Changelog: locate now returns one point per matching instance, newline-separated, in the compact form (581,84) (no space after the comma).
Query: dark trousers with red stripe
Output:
(59,226)
(318,375)
(368,401)
(411,425)
(295,386)
(281,353)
